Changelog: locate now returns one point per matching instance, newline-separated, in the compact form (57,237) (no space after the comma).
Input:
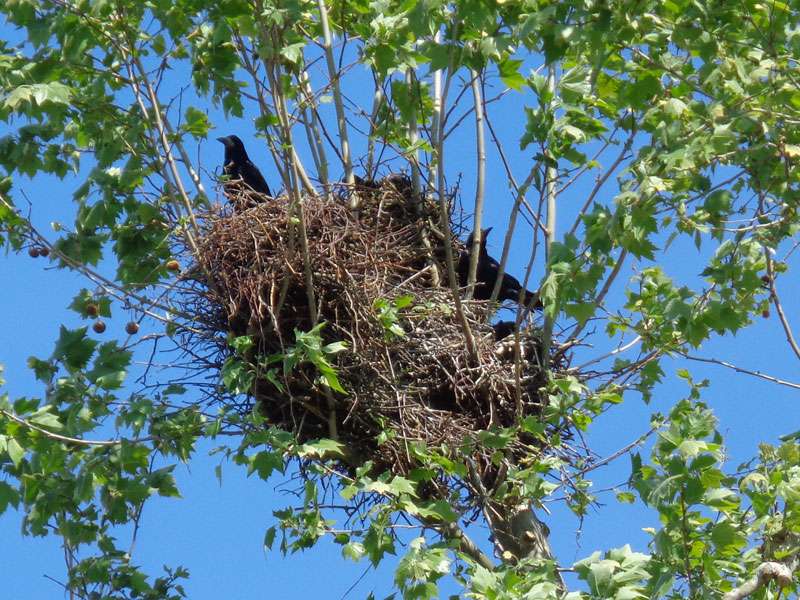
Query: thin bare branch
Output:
(71,440)
(601,181)
(439,100)
(550,235)
(759,374)
(480,149)
(333,75)
(598,301)
(776,302)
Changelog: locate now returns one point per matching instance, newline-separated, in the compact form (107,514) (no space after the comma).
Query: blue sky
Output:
(216,531)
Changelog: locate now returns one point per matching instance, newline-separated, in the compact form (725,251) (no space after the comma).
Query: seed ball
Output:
(44,251)
(99,326)
(132,328)
(173,265)
(92,310)
(33,252)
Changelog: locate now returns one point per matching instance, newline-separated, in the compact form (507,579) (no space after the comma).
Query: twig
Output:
(612,457)
(728,365)
(72,440)
(614,352)
(377,102)
(598,301)
(315,127)
(108,286)
(778,307)
(601,180)
(512,223)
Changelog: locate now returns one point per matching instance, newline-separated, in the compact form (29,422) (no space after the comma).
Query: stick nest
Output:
(407,375)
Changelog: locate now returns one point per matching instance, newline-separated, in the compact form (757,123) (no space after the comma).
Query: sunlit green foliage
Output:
(696,106)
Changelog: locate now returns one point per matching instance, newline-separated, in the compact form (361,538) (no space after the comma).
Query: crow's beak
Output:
(486,231)
(224,140)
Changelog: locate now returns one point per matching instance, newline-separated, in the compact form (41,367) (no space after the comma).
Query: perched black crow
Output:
(239,168)
(486,275)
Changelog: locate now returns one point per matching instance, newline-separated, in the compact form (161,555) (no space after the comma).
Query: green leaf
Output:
(510,75)
(727,538)
(14,450)
(439,510)
(163,481)
(74,348)
(196,122)
(691,448)
(237,376)
(674,107)
(8,496)
(269,538)
(324,448)
(334,347)
(626,497)
(44,418)
(110,366)
(265,463)
(44,370)
(354,551)
(39,93)
(721,498)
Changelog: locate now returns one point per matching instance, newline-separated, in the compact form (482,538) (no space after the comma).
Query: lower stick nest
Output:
(406,372)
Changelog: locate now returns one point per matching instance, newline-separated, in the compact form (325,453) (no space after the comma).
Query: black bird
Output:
(365,184)
(503,329)
(239,168)
(401,182)
(486,275)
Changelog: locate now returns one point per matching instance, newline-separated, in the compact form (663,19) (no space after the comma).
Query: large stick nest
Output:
(402,387)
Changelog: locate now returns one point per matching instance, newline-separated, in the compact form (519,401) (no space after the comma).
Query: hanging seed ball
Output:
(173,265)
(33,252)
(92,310)
(44,251)
(99,326)
(765,313)
(132,328)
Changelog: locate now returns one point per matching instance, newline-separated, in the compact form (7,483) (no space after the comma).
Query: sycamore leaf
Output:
(74,348)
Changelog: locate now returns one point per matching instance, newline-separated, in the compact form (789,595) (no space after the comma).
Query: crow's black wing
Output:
(253,178)
(462,269)
(486,276)
(510,288)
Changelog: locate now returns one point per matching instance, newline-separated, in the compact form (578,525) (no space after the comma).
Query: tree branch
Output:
(439,99)
(765,573)
(778,306)
(479,186)
(333,73)
(72,440)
